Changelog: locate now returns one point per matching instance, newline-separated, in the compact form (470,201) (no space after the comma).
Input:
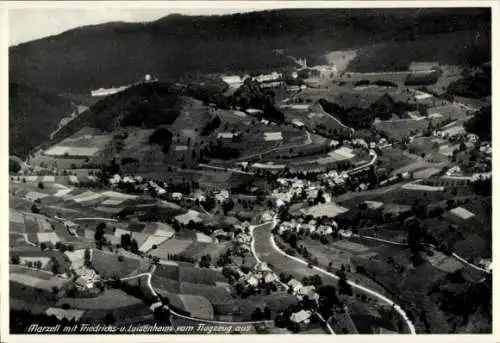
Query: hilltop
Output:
(120,53)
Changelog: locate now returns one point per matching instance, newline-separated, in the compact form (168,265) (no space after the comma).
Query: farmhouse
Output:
(273,136)
(228,135)
(234,81)
(423,66)
(268,77)
(60,313)
(177,196)
(485,263)
(294,285)
(301,317)
(462,213)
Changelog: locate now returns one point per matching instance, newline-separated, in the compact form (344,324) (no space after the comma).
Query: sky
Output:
(33,23)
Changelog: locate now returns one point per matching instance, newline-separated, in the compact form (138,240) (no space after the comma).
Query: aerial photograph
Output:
(306,171)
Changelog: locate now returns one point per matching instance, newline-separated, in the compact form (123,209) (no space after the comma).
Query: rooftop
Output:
(462,213)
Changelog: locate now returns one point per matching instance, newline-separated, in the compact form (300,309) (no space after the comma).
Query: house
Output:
(177,196)
(294,285)
(423,66)
(222,196)
(345,233)
(472,138)
(234,81)
(261,267)
(243,238)
(252,281)
(270,277)
(266,217)
(301,317)
(310,292)
(280,203)
(305,290)
(228,135)
(325,230)
(485,263)
(462,213)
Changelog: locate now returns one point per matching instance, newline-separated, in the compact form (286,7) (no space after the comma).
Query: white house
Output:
(301,316)
(177,196)
(294,285)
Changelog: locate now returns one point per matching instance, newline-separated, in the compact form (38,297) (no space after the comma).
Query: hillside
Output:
(116,53)
(455,48)
(144,105)
(33,115)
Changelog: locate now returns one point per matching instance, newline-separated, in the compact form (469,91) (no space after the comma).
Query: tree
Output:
(109,319)
(99,232)
(205,261)
(35,209)
(121,258)
(55,266)
(15,259)
(134,246)
(267,313)
(344,287)
(86,257)
(256,314)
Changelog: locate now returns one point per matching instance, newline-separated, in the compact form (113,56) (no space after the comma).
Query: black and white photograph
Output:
(244,168)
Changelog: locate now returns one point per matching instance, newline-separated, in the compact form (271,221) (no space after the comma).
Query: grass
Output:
(36,296)
(108,265)
(216,295)
(109,299)
(190,274)
(171,247)
(400,129)
(31,224)
(394,159)
(165,284)
(277,302)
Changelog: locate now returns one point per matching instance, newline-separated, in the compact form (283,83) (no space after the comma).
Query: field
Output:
(280,263)
(108,265)
(111,298)
(36,296)
(393,158)
(190,274)
(276,302)
(312,117)
(87,142)
(401,128)
(196,306)
(171,247)
(197,249)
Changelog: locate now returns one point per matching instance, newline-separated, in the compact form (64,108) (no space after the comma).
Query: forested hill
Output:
(33,115)
(117,53)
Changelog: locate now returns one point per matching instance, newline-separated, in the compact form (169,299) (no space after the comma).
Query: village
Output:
(307,199)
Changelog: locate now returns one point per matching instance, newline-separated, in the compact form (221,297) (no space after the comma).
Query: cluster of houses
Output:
(259,275)
(273,79)
(299,224)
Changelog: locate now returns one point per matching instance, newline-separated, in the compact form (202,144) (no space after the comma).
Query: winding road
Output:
(265,248)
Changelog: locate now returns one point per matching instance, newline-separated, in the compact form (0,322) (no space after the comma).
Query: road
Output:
(254,253)
(267,250)
(149,275)
(202,165)
(456,256)
(308,141)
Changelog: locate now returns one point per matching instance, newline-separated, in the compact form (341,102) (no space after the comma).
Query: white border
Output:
(244,6)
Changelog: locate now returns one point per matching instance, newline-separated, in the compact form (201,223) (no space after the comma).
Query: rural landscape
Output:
(295,171)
